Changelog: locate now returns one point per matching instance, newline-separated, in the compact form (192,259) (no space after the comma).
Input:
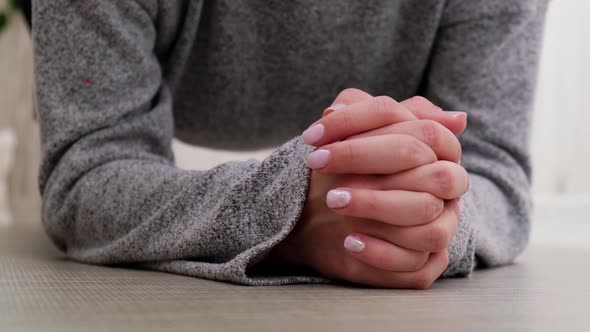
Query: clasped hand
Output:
(383,200)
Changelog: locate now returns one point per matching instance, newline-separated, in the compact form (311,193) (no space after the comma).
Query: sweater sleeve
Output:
(111,192)
(485,63)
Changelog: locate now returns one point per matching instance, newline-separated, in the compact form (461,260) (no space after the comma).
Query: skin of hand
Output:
(385,185)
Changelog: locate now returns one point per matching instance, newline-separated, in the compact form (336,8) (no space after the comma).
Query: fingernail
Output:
(333,108)
(313,134)
(457,114)
(318,159)
(337,198)
(354,244)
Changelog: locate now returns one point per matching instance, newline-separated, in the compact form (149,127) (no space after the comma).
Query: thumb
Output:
(347,97)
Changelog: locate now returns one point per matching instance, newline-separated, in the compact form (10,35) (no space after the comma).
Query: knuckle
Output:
(348,96)
(454,147)
(420,100)
(432,133)
(424,104)
(423,280)
(349,153)
(412,150)
(369,203)
(436,206)
(437,237)
(384,105)
(432,206)
(444,178)
(350,93)
(346,120)
(418,261)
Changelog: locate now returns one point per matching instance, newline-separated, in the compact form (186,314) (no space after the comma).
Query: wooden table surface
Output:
(546,290)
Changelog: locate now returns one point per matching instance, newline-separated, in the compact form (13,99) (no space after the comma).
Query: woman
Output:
(375,204)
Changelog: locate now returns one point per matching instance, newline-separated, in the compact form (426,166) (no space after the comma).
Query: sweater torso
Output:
(256,73)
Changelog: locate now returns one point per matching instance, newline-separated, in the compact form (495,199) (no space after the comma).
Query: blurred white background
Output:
(560,142)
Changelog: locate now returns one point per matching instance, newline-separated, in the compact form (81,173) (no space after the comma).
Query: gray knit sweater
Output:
(118,79)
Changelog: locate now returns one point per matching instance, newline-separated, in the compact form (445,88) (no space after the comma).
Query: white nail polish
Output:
(313,134)
(337,198)
(354,244)
(318,159)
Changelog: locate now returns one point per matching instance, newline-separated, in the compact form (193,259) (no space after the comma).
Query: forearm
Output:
(134,211)
(111,192)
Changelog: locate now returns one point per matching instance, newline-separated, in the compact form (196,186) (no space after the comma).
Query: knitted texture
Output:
(117,80)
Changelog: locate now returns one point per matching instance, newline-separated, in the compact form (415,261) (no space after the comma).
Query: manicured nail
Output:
(337,198)
(313,134)
(318,159)
(457,114)
(333,108)
(354,244)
